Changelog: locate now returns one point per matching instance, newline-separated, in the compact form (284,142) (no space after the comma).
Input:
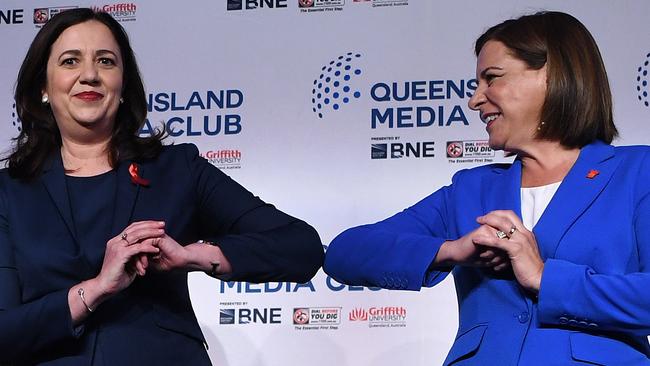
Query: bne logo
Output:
(254,4)
(398,150)
(14,16)
(249,316)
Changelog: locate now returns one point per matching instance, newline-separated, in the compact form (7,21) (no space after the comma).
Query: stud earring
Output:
(539,128)
(121,100)
(45,99)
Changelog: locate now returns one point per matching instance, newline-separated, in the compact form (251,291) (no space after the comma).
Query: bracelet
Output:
(83,299)
(215,265)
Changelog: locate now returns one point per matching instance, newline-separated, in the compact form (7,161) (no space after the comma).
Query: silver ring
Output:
(123,237)
(501,235)
(512,231)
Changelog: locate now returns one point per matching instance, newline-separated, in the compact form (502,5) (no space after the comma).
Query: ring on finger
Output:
(124,237)
(512,231)
(501,235)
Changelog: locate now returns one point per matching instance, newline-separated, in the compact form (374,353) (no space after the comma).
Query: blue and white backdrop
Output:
(340,112)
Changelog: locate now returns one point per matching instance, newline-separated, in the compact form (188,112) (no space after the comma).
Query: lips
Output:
(489,118)
(89,96)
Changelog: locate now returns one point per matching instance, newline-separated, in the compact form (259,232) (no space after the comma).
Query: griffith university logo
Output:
(335,86)
(642,81)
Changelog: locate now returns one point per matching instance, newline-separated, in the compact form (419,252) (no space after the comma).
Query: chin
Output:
(495,144)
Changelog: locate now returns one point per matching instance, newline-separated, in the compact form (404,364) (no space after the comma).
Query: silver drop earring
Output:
(45,99)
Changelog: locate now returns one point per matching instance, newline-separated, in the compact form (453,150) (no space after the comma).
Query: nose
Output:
(89,73)
(477,99)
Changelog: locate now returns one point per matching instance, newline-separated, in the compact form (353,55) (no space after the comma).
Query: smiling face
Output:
(509,97)
(84,80)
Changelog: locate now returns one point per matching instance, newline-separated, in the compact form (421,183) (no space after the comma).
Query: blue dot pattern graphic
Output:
(334,86)
(15,120)
(642,81)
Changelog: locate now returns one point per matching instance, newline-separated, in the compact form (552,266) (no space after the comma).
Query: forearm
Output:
(206,257)
(82,307)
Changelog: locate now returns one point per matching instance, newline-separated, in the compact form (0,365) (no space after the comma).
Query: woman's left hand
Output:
(511,236)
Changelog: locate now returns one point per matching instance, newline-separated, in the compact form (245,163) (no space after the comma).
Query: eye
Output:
(70,61)
(106,61)
(489,78)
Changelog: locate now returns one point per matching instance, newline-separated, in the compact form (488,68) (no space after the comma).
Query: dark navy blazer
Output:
(594,236)
(152,321)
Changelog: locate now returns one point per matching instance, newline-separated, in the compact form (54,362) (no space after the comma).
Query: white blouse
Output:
(534,201)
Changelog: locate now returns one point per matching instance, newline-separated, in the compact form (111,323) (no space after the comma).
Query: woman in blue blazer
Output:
(98,227)
(550,254)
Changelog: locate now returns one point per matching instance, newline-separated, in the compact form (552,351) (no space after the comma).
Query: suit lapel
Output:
(575,195)
(501,189)
(54,181)
(125,197)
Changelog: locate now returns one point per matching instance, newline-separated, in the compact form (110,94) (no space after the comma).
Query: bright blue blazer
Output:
(594,237)
(152,321)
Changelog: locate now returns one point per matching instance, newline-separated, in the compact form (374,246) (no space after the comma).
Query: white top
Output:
(534,201)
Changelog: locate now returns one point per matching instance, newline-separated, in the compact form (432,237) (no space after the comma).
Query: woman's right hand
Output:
(466,251)
(126,255)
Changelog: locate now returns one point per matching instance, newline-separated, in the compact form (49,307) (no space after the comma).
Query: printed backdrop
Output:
(340,112)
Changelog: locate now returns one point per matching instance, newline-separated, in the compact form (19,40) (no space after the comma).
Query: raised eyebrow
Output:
(77,52)
(104,52)
(72,52)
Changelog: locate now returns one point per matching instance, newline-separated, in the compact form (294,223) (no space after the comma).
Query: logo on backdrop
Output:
(317,318)
(476,151)
(42,15)
(246,315)
(15,120)
(398,104)
(199,113)
(642,81)
(392,148)
(123,12)
(224,158)
(255,4)
(335,86)
(380,317)
(12,16)
(310,6)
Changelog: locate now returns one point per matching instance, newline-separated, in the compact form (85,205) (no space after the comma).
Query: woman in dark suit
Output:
(550,254)
(99,227)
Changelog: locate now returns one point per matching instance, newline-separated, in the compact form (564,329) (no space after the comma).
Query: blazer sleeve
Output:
(27,327)
(261,242)
(575,295)
(395,253)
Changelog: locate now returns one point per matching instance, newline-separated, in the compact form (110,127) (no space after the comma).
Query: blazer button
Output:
(523,317)
(573,322)
(592,325)
(583,323)
(564,320)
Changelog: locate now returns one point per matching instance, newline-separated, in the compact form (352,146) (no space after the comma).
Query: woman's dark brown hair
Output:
(39,137)
(578,105)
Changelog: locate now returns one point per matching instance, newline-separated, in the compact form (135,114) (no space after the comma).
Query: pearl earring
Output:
(539,128)
(121,100)
(45,99)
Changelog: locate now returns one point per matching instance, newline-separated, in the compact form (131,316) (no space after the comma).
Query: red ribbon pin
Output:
(592,174)
(135,177)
